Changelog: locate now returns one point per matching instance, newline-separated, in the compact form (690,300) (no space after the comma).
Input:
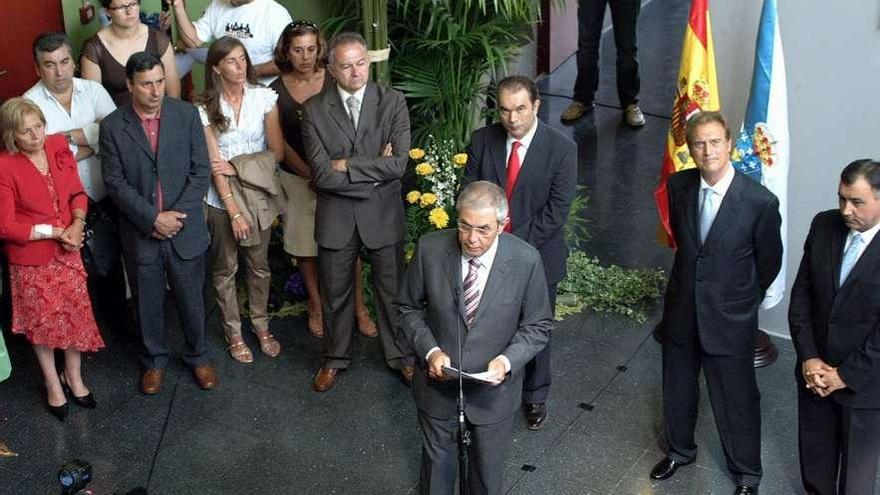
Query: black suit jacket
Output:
(715,289)
(131,172)
(367,197)
(513,319)
(839,324)
(544,190)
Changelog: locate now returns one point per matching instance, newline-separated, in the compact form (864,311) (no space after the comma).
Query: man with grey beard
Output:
(257,23)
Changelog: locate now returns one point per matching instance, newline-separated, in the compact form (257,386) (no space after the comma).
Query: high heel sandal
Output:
(316,325)
(87,401)
(240,352)
(268,344)
(59,412)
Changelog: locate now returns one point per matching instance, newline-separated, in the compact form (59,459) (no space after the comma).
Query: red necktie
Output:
(513,167)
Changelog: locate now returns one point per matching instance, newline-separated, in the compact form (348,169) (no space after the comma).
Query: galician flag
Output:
(761,149)
(697,90)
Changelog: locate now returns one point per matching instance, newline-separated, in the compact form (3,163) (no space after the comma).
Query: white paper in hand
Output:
(484,377)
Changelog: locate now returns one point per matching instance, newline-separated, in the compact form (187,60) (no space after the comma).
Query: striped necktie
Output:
(471,291)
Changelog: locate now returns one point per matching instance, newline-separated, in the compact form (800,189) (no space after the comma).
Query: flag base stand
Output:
(765,351)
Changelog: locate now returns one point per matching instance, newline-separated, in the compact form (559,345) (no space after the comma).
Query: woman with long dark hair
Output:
(241,121)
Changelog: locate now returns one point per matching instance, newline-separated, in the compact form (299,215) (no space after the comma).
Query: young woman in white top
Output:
(240,117)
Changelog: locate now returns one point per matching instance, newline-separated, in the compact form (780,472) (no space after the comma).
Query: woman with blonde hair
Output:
(42,217)
(241,121)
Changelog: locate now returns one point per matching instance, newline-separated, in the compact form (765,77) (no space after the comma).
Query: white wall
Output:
(832,52)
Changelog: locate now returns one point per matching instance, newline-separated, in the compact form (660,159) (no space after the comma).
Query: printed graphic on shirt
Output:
(240,31)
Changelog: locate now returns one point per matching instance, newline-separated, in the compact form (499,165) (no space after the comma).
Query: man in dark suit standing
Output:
(356,135)
(728,252)
(156,169)
(487,287)
(536,165)
(834,317)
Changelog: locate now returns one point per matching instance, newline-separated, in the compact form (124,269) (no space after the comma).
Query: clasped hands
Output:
(822,379)
(340,164)
(167,224)
(438,359)
(71,238)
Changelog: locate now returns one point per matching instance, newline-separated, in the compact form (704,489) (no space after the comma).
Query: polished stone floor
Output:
(264,431)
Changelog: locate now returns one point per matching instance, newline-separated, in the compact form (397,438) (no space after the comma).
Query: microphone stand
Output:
(464,436)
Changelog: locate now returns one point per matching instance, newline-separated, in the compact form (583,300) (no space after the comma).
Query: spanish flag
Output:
(696,91)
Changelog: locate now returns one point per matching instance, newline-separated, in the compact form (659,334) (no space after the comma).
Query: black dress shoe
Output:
(536,413)
(746,490)
(87,401)
(59,412)
(666,468)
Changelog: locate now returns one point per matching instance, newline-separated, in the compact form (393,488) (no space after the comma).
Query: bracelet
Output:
(81,219)
(226,196)
(236,216)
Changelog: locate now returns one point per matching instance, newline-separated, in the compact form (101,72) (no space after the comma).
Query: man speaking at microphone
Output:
(485,291)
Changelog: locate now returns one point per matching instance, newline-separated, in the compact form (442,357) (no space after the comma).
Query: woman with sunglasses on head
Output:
(301,56)
(105,54)
(241,122)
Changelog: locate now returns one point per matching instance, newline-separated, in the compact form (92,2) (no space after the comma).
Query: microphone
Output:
(463,434)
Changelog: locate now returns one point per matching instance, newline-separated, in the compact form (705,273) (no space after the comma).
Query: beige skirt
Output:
(299,216)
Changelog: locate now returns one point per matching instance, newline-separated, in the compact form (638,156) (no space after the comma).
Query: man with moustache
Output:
(156,169)
(487,288)
(257,23)
(729,250)
(536,165)
(834,318)
(356,135)
(75,107)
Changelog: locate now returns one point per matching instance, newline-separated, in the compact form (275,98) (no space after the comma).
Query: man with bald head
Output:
(357,138)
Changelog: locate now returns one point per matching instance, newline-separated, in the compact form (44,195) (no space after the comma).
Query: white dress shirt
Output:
(525,141)
(89,104)
(867,237)
(720,189)
(248,135)
(344,95)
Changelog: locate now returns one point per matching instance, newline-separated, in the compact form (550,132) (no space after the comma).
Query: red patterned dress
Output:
(50,303)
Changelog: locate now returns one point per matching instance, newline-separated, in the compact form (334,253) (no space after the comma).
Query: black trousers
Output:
(624,16)
(187,280)
(839,446)
(536,381)
(336,279)
(735,400)
(486,455)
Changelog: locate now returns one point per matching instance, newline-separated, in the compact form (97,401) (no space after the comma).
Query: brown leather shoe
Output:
(408,372)
(151,381)
(325,378)
(206,377)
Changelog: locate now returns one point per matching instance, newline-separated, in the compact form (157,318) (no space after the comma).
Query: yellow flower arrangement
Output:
(427,199)
(438,217)
(416,153)
(412,197)
(424,169)
(460,159)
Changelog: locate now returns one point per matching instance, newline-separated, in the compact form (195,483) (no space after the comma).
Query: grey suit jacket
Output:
(513,319)
(715,288)
(367,196)
(131,172)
